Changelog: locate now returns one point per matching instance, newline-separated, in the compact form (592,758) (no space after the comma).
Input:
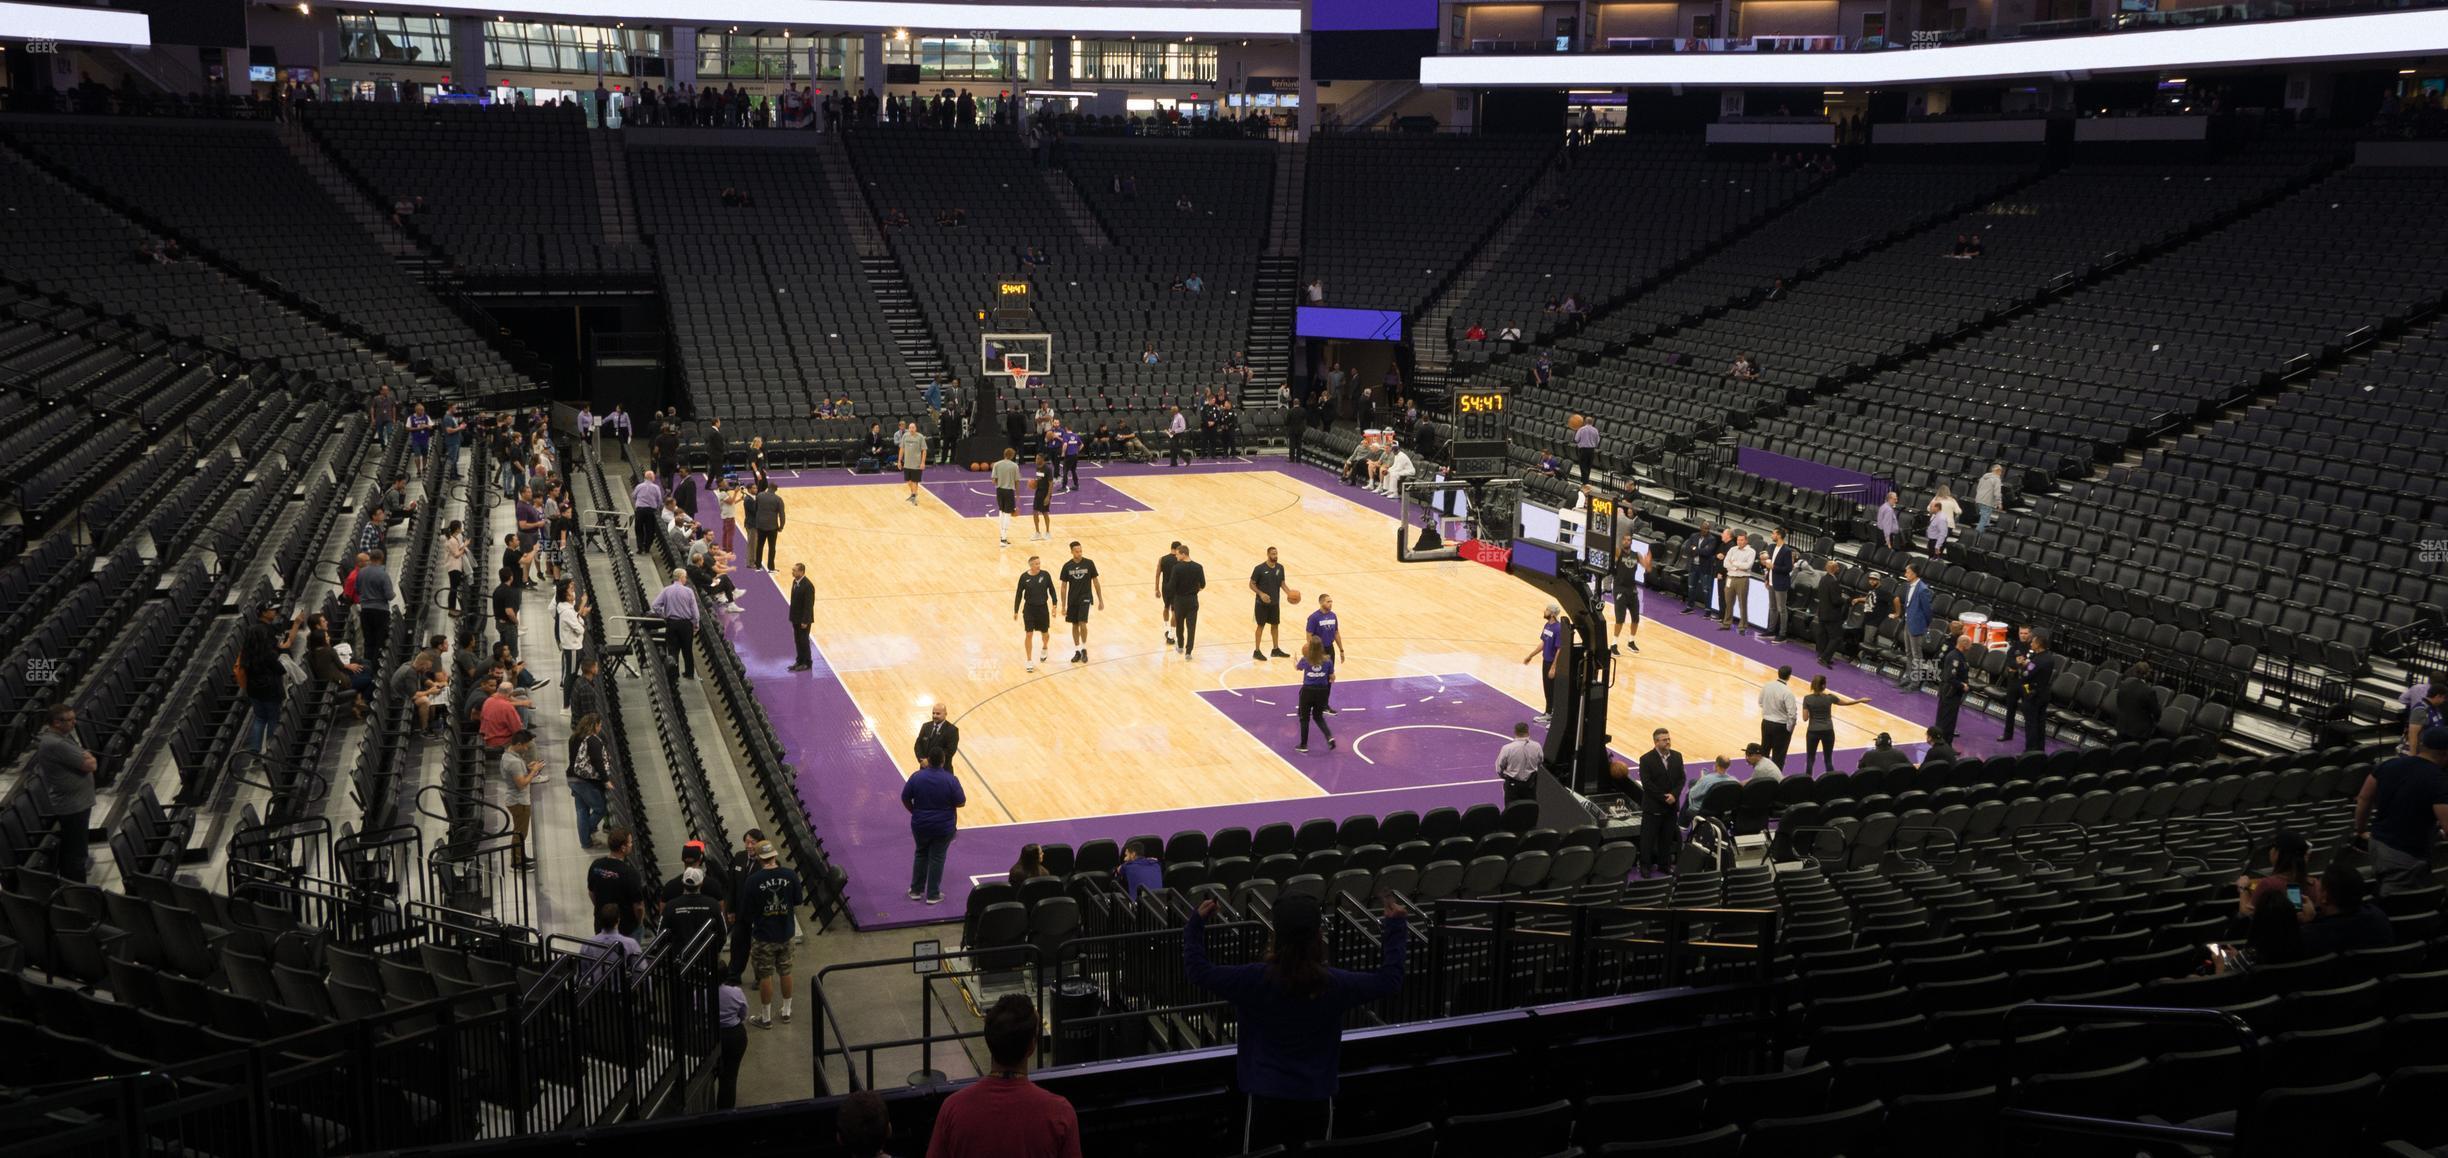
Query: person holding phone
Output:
(2289,878)
(1291,1009)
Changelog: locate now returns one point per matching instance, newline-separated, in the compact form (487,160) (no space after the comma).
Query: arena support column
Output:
(680,56)
(468,55)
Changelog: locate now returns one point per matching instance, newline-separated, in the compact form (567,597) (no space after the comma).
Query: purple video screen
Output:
(1353,325)
(1371,15)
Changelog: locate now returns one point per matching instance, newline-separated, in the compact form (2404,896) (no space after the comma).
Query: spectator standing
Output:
(766,518)
(1829,608)
(590,775)
(612,880)
(1778,711)
(1291,1009)
(375,594)
(2401,809)
(1003,1114)
(260,673)
(731,1029)
(1889,521)
(1780,561)
(570,632)
(1916,602)
(676,606)
(645,499)
(520,773)
(769,900)
(934,798)
(1661,788)
(1989,496)
(2431,711)
(1741,560)
(63,789)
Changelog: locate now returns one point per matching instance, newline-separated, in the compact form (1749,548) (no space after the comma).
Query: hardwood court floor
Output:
(914,605)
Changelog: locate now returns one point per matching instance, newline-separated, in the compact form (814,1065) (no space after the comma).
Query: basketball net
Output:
(1020,379)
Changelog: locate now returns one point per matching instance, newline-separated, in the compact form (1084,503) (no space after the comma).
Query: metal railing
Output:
(1015,967)
(593,1039)
(2029,1124)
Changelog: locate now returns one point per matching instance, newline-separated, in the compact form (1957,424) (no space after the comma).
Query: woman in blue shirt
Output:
(1317,683)
(934,798)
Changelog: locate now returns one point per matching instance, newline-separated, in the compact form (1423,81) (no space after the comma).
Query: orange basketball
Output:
(1291,596)
(1573,423)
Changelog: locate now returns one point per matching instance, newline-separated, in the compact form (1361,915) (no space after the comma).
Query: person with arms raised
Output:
(1291,1009)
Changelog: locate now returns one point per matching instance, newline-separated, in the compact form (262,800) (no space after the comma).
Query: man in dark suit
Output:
(1828,610)
(1182,587)
(2018,650)
(717,452)
(684,492)
(2039,672)
(1661,790)
(938,736)
(2137,704)
(802,615)
(765,519)
(1954,679)
(1781,559)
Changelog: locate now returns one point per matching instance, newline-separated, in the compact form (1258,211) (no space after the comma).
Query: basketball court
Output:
(914,607)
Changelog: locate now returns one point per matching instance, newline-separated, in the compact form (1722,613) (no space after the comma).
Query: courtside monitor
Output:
(1348,324)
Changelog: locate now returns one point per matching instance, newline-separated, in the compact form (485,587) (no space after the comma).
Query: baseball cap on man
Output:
(692,877)
(2435,737)
(766,851)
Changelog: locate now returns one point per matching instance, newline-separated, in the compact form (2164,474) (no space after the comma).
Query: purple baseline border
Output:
(851,780)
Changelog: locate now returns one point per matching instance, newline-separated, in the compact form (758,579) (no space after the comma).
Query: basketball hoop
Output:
(1017,366)
(1020,380)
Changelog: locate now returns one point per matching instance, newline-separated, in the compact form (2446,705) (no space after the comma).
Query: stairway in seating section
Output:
(1269,344)
(614,203)
(909,323)
(849,200)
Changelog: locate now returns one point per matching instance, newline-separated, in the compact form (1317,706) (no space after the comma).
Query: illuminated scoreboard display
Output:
(1483,424)
(1598,540)
(1011,300)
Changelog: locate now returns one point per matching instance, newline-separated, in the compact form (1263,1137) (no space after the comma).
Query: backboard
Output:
(1000,355)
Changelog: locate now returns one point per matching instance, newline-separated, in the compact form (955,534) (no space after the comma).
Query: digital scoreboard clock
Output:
(1011,300)
(1483,424)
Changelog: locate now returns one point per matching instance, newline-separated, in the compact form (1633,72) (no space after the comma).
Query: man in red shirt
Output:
(499,719)
(1003,1114)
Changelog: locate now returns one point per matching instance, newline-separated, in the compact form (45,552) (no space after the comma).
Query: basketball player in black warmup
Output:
(1187,581)
(1041,519)
(1081,588)
(1629,563)
(1266,581)
(1164,586)
(1033,605)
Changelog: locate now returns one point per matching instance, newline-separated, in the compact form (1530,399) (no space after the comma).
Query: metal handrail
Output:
(450,793)
(296,770)
(2220,822)
(927,1037)
(2010,1115)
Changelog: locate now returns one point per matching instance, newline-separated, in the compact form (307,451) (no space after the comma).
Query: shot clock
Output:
(1483,424)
